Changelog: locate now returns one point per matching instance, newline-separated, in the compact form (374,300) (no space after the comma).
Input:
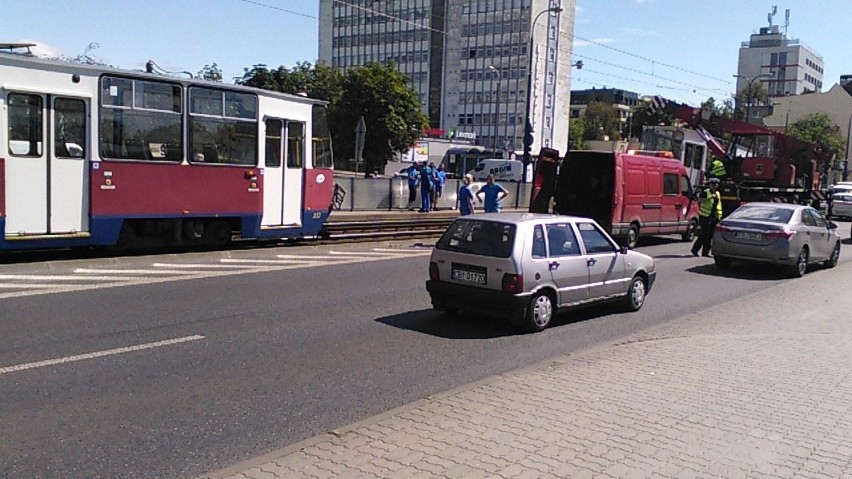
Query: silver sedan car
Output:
(793,236)
(526,267)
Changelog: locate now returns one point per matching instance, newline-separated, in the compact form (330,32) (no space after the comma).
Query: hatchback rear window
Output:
(484,238)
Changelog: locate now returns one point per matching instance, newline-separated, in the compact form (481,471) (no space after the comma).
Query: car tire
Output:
(801,267)
(635,297)
(631,239)
(835,256)
(539,313)
(689,234)
(722,262)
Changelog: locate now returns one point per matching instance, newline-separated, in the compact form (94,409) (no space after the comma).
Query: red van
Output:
(628,194)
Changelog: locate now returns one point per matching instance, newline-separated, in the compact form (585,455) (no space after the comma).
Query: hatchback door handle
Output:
(552,265)
(591,262)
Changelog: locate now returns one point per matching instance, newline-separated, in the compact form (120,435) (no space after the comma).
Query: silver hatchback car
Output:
(794,236)
(525,267)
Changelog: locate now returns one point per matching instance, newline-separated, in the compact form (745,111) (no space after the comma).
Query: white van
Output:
(503,170)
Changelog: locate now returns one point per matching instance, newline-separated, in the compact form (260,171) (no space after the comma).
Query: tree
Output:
(601,120)
(723,110)
(818,128)
(644,115)
(321,81)
(575,134)
(752,94)
(210,73)
(391,110)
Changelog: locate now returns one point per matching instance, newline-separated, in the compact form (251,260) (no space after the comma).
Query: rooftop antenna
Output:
(772,14)
(152,67)
(786,20)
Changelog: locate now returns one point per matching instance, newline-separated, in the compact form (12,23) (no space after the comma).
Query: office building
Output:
(782,65)
(467,60)
(623,102)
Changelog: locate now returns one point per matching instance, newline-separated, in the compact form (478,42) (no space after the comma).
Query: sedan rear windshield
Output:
(763,213)
(484,238)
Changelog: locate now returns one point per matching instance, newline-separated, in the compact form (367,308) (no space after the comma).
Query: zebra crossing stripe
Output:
(198,266)
(267,261)
(370,254)
(37,277)
(406,252)
(129,271)
(38,285)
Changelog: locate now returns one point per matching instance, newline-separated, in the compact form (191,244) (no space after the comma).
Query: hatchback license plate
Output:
(748,236)
(468,276)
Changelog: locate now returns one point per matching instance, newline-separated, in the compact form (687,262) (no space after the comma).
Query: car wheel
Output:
(632,237)
(801,267)
(835,256)
(689,234)
(539,313)
(722,261)
(635,297)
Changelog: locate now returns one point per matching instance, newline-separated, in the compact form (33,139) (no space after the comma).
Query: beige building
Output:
(836,103)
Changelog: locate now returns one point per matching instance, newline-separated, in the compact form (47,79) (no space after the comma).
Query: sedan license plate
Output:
(748,236)
(469,276)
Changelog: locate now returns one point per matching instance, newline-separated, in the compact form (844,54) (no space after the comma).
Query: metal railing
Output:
(389,194)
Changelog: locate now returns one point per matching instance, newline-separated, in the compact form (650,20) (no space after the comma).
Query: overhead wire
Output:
(573,36)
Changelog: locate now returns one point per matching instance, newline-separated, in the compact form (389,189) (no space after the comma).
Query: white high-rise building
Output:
(467,59)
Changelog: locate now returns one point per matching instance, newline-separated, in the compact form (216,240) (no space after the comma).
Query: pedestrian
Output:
(466,196)
(440,179)
(427,185)
(412,174)
(494,193)
(709,213)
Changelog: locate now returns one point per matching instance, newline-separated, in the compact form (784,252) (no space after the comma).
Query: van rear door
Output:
(586,186)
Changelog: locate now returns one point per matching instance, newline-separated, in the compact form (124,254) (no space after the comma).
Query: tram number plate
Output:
(468,276)
(748,236)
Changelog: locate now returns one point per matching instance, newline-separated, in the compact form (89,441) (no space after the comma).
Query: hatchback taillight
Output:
(513,283)
(723,229)
(433,271)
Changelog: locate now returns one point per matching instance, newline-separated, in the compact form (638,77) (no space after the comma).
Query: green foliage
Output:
(644,116)
(755,95)
(575,134)
(391,110)
(601,120)
(381,94)
(723,110)
(210,73)
(818,128)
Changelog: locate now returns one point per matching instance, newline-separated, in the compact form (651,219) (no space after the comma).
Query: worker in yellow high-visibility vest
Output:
(709,213)
(717,169)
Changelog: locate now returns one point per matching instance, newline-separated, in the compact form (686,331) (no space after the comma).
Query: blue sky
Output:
(681,49)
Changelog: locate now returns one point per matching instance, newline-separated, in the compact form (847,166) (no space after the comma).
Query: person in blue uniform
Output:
(493,193)
(427,186)
(466,196)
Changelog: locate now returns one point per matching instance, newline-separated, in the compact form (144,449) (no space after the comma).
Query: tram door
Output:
(46,164)
(282,175)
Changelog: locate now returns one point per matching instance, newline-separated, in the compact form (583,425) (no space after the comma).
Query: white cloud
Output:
(593,41)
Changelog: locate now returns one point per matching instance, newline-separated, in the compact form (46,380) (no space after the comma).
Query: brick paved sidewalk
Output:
(759,387)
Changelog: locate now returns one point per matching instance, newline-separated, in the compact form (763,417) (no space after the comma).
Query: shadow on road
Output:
(746,271)
(478,326)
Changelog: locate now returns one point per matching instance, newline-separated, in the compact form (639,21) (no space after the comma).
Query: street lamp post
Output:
(528,138)
(848,136)
(496,140)
(750,82)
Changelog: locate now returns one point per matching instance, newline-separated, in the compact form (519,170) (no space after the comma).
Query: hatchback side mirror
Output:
(832,225)
(623,250)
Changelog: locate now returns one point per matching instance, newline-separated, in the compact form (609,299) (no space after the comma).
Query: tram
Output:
(97,156)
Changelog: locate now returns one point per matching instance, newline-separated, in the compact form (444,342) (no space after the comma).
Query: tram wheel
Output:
(126,238)
(218,233)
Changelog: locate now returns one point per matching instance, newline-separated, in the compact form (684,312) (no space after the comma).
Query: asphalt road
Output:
(266,358)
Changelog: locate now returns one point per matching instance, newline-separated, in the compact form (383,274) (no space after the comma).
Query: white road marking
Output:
(37,285)
(267,261)
(370,254)
(99,354)
(198,265)
(308,258)
(59,277)
(128,271)
(406,252)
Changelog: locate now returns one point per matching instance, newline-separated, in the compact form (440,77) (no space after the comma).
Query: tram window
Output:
(69,135)
(295,144)
(145,125)
(273,143)
(25,119)
(222,126)
(321,138)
